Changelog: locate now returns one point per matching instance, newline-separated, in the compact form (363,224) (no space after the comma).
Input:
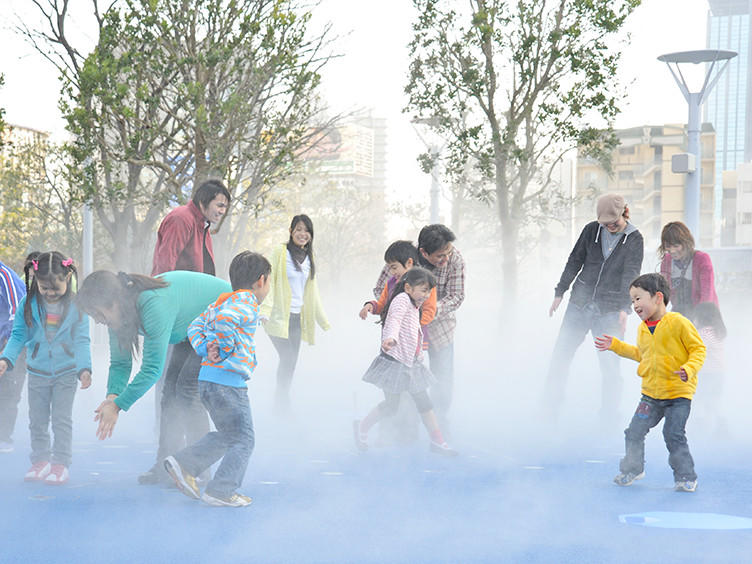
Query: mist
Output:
(524,488)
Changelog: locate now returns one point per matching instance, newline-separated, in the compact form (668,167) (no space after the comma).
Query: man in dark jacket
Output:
(606,258)
(183,239)
(12,290)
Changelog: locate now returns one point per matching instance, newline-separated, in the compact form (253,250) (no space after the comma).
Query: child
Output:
(224,336)
(398,368)
(400,257)
(712,330)
(670,353)
(56,336)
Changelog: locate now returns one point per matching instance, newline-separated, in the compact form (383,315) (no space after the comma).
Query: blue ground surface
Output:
(326,503)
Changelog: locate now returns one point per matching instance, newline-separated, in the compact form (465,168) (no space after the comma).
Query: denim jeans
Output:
(11,387)
(578,321)
(233,441)
(51,401)
(288,350)
(183,420)
(648,414)
(442,365)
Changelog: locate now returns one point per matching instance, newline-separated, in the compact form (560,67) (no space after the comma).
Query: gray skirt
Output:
(394,377)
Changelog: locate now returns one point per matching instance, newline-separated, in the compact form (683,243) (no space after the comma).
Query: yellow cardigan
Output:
(276,305)
(674,345)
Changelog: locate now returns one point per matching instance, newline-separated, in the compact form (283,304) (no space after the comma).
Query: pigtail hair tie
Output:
(67,262)
(35,264)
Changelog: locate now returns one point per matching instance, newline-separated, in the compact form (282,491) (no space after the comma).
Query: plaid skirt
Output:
(394,377)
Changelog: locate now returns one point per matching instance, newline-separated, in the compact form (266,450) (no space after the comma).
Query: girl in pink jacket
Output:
(398,367)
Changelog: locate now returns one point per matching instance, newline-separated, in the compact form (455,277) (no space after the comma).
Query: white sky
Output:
(372,72)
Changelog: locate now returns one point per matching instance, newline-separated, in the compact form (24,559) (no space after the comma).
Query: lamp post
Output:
(695,100)
(434,149)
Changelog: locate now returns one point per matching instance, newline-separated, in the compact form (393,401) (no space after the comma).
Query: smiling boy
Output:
(670,353)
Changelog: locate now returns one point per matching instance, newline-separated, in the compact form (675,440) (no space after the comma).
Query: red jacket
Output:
(703,280)
(180,241)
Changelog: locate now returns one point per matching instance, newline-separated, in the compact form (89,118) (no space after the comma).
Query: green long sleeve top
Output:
(165,315)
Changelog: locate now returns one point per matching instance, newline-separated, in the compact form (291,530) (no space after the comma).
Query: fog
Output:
(523,488)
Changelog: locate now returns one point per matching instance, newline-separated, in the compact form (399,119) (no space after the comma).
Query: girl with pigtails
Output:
(56,337)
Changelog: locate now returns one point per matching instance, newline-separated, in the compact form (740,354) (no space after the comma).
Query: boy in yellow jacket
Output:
(670,353)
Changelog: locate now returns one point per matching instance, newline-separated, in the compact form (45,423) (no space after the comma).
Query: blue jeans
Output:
(578,321)
(288,350)
(51,401)
(648,414)
(233,441)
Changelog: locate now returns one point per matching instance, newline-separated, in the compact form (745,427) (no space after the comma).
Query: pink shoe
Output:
(38,471)
(58,475)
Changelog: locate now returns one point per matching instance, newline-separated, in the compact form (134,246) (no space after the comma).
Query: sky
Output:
(372,71)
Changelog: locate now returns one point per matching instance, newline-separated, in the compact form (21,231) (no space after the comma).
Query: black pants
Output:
(184,419)
(288,350)
(11,387)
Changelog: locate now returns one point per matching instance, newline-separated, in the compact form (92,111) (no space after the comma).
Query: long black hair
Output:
(416,276)
(47,266)
(298,256)
(103,288)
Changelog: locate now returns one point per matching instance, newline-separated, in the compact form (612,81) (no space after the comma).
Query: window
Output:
(626,175)
(746,218)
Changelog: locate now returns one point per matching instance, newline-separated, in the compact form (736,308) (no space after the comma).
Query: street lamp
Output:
(695,100)
(434,149)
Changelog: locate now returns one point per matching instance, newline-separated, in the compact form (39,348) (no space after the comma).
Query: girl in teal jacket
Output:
(56,337)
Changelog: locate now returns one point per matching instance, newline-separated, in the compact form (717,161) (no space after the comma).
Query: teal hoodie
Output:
(165,315)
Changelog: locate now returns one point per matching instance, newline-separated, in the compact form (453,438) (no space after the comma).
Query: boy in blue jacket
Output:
(224,337)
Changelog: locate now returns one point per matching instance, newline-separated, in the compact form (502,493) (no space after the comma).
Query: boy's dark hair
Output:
(246,268)
(653,283)
(400,251)
(707,314)
(435,237)
(207,191)
(415,277)
(47,266)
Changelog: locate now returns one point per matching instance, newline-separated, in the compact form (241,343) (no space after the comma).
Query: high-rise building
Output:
(642,174)
(729,105)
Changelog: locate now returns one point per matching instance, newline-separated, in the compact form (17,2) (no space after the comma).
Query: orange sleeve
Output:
(428,310)
(383,298)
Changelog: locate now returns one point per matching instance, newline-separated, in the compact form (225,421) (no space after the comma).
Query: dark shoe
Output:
(153,476)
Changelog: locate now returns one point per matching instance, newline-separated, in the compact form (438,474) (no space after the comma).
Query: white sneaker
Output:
(6,446)
(185,482)
(235,500)
(685,486)
(58,475)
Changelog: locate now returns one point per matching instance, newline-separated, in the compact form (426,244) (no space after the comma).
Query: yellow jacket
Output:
(276,305)
(674,345)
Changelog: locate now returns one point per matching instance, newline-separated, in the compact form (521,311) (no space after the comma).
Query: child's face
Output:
(53,288)
(300,235)
(396,268)
(646,307)
(418,293)
(261,288)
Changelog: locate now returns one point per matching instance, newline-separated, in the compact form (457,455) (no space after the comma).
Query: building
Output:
(642,174)
(728,105)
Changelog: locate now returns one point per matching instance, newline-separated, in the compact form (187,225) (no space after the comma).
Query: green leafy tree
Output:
(178,91)
(3,125)
(513,86)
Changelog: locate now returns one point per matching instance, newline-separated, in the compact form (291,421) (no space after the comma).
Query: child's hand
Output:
(368,308)
(603,343)
(682,374)
(3,367)
(387,344)
(85,379)
(212,352)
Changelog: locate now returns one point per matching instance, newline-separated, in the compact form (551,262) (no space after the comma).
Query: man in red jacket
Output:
(183,239)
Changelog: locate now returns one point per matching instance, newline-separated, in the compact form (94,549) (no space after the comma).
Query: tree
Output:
(3,125)
(177,91)
(513,86)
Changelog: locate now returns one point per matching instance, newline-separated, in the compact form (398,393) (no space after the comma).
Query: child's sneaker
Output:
(442,448)
(235,500)
(58,475)
(626,478)
(685,486)
(38,471)
(184,481)
(361,439)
